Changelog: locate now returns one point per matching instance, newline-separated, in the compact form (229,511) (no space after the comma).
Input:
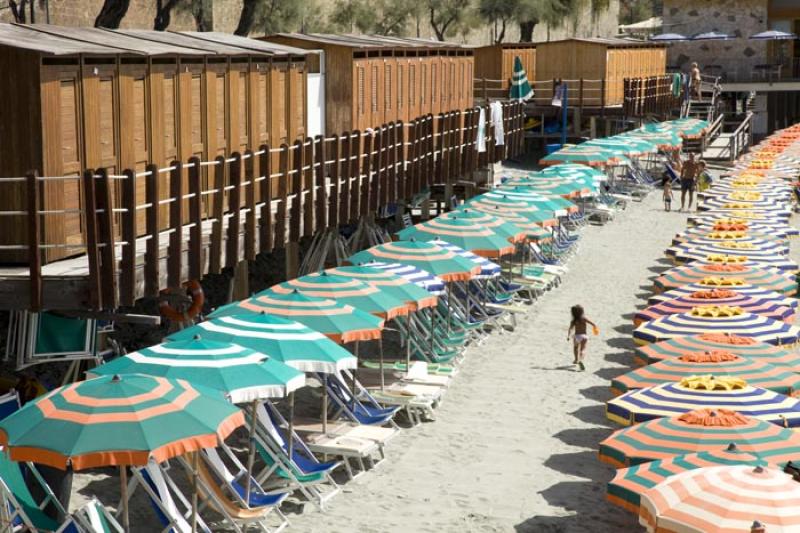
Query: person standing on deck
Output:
(688,180)
(695,79)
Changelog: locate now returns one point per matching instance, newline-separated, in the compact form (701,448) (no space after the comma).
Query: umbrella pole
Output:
(251,452)
(433,328)
(291,423)
(408,346)
(355,375)
(325,404)
(380,355)
(195,455)
(449,305)
(123,489)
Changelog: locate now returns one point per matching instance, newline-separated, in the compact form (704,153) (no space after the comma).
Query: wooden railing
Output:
(223,211)
(649,96)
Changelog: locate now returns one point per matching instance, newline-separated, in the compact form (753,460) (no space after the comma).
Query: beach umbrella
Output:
(697,392)
(626,146)
(531,230)
(668,37)
(768,279)
(497,204)
(520,88)
(701,430)
(762,217)
(711,36)
(718,297)
(464,233)
(773,35)
(392,284)
(665,139)
(719,363)
(488,268)
(775,192)
(711,342)
(572,170)
(732,242)
(725,283)
(338,321)
(499,225)
(119,421)
(432,258)
(730,202)
(425,280)
(720,319)
(287,341)
(723,498)
(545,202)
(741,209)
(591,156)
(345,290)
(751,230)
(554,185)
(628,483)
(731,252)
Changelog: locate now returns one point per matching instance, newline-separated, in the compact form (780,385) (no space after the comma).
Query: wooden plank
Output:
(107,245)
(320,176)
(251,225)
(34,253)
(309,201)
(175,248)
(218,214)
(90,210)
(234,207)
(127,271)
(400,162)
(334,153)
(296,213)
(366,183)
(283,193)
(345,153)
(265,241)
(391,162)
(151,259)
(354,184)
(196,219)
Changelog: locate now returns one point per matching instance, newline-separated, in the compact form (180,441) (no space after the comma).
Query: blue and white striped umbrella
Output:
(743,324)
(763,219)
(754,257)
(426,280)
(746,289)
(671,399)
(704,232)
(726,202)
(488,268)
(777,195)
(287,341)
(754,246)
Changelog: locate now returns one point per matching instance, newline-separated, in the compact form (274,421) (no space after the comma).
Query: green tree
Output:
(445,16)
(554,13)
(498,13)
(270,16)
(381,17)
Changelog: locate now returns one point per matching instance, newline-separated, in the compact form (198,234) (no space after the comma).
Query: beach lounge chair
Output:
(9,404)
(93,517)
(375,407)
(300,468)
(361,410)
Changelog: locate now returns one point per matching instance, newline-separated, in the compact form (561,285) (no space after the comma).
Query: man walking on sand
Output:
(688,180)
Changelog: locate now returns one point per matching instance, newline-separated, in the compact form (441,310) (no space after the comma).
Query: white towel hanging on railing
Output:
(480,140)
(496,109)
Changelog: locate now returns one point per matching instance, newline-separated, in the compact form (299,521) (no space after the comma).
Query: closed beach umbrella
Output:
(520,88)
(496,204)
(725,283)
(710,342)
(392,284)
(464,233)
(711,36)
(345,290)
(723,498)
(339,322)
(697,392)
(287,341)
(668,37)
(719,363)
(628,483)
(770,279)
(432,258)
(710,319)
(243,374)
(719,297)
(700,430)
(773,35)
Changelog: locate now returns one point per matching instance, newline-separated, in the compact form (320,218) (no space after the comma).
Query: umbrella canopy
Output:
(339,322)
(559,206)
(425,280)
(432,258)
(628,483)
(488,268)
(710,319)
(118,420)
(498,204)
(704,231)
(735,201)
(723,498)
(551,185)
(701,430)
(572,170)
(346,290)
(499,225)
(626,146)
(697,392)
(531,230)
(762,217)
(520,88)
(464,233)
(732,242)
(718,297)
(243,374)
(719,363)
(664,139)
(710,253)
(711,36)
(668,37)
(392,284)
(773,35)
(725,283)
(770,279)
(709,342)
(287,341)
(591,156)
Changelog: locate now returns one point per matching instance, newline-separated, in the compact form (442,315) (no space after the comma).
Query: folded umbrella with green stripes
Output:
(520,88)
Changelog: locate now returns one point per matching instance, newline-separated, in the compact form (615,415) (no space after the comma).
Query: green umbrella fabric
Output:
(496,204)
(558,205)
(424,255)
(392,284)
(242,373)
(464,233)
(118,420)
(626,146)
(551,185)
(520,88)
(339,322)
(591,156)
(346,290)
(509,230)
(287,341)
(532,231)
(665,139)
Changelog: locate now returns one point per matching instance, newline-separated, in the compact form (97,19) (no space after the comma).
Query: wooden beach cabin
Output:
(496,62)
(603,64)
(374,80)
(84,98)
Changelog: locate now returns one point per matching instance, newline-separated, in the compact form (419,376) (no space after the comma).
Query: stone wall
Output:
(738,18)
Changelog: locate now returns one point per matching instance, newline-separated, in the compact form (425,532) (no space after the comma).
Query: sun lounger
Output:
(9,404)
(417,402)
(362,409)
(93,517)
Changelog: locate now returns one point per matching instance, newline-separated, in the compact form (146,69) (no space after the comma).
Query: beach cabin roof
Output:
(185,41)
(369,42)
(228,39)
(28,38)
(122,44)
(610,42)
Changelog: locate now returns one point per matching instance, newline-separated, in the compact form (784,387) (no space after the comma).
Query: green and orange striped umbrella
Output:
(348,291)
(720,363)
(702,430)
(767,307)
(337,321)
(429,257)
(507,203)
(504,222)
(709,342)
(388,283)
(118,420)
(628,483)
(590,155)
(464,233)
(533,231)
(764,277)
(510,230)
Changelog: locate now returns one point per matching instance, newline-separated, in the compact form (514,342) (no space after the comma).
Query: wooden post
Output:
(603,97)
(296,214)
(283,194)
(367,184)
(335,154)
(251,225)
(107,244)
(175,250)
(235,208)
(196,219)
(34,253)
(345,152)
(401,176)
(90,218)
(265,242)
(215,249)
(580,95)
(309,198)
(320,176)
(127,271)
(152,222)
(354,188)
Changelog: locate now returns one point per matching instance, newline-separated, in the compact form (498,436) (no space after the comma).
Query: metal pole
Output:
(380,355)
(291,423)
(325,404)
(408,346)
(355,375)
(194,491)
(123,489)
(251,452)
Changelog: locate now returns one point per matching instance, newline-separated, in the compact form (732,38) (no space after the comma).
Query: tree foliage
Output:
(380,17)
(498,13)
(445,16)
(271,16)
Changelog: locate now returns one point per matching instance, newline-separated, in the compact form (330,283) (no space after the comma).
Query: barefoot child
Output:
(667,194)
(580,337)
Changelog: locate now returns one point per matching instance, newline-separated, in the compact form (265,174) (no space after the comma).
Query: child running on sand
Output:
(580,337)
(667,194)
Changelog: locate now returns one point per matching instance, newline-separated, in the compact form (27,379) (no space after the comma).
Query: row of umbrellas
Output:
(769,35)
(711,411)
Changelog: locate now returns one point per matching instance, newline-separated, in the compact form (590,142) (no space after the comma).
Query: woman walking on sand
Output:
(577,331)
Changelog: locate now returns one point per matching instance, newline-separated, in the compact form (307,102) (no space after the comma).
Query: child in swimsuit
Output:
(580,336)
